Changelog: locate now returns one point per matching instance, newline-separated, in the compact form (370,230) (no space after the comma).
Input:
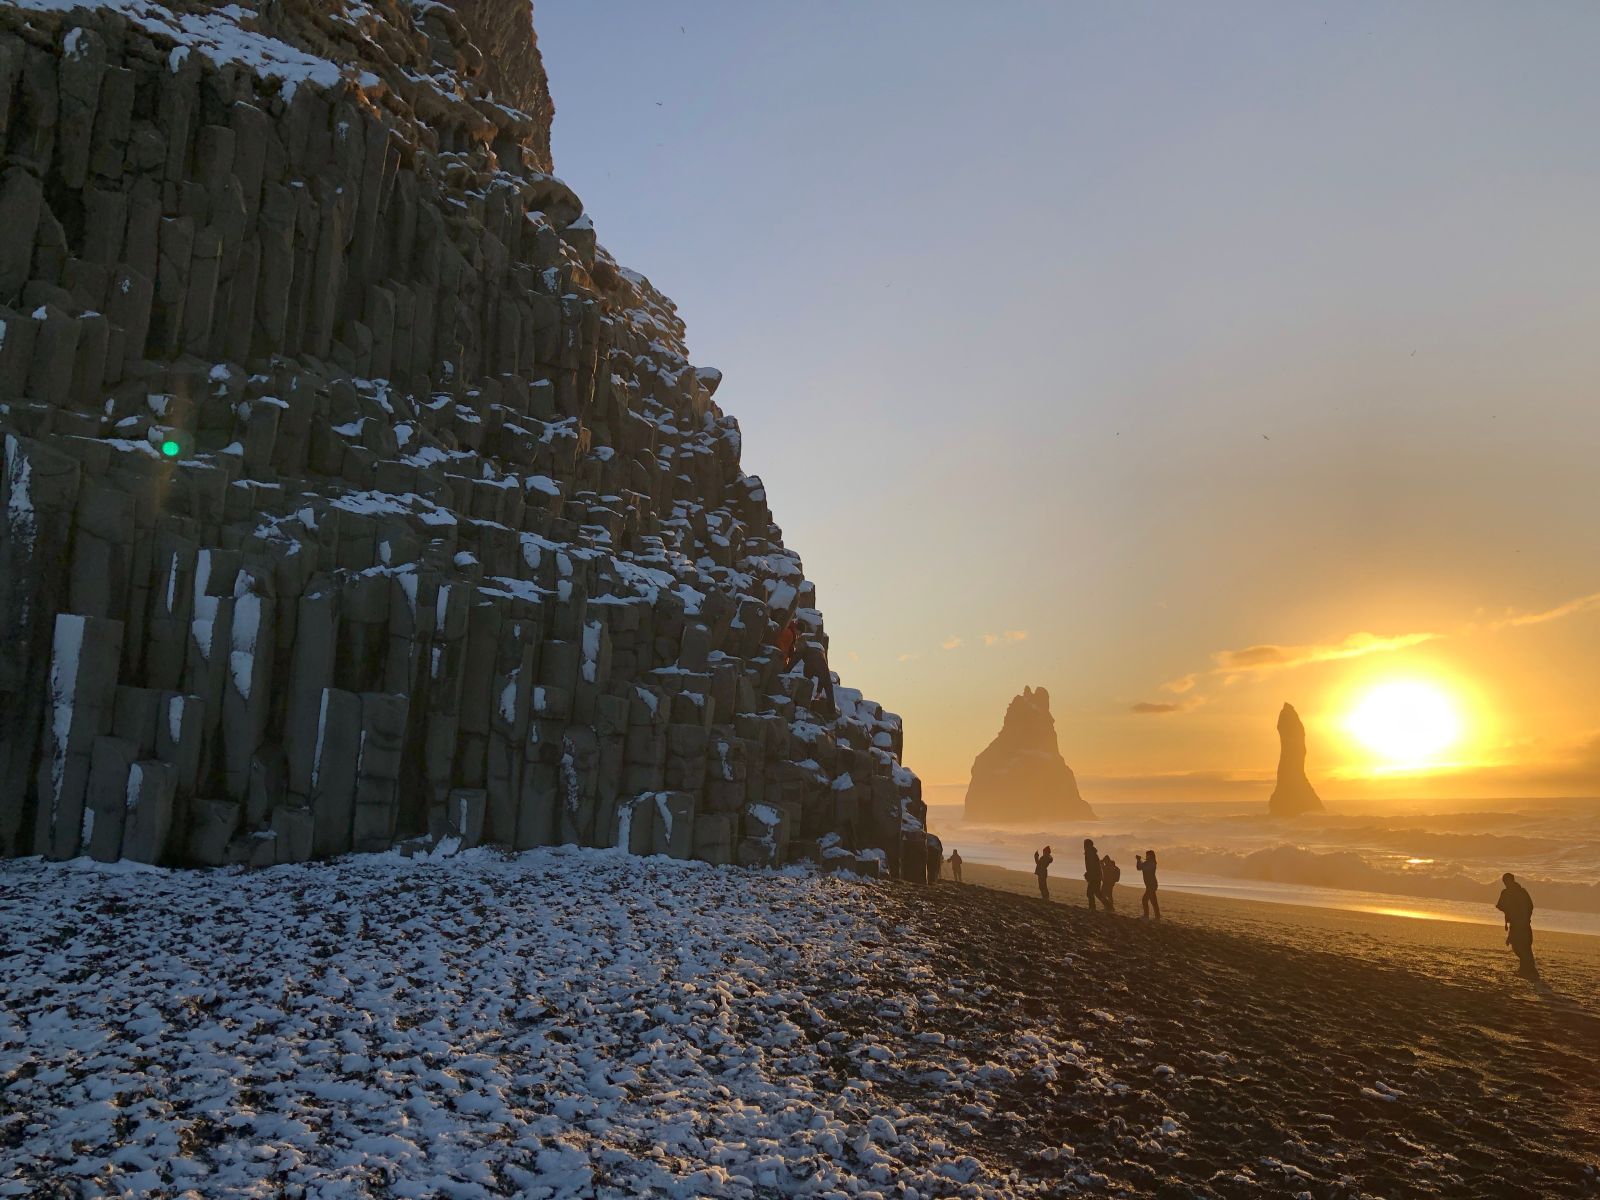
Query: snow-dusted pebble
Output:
(555,1023)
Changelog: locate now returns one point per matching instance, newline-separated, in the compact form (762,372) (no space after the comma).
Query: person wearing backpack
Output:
(1109,874)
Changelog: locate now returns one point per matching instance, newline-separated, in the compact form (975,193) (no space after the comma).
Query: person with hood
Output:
(1517,906)
(1146,866)
(1110,873)
(955,865)
(1041,867)
(1091,870)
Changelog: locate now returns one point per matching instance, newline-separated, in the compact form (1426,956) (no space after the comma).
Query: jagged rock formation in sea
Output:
(352,493)
(1294,794)
(1021,776)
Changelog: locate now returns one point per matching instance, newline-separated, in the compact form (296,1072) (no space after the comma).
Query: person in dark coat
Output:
(1091,871)
(1041,867)
(935,858)
(955,865)
(1146,866)
(1517,906)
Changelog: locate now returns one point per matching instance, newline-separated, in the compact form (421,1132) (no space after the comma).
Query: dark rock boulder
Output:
(1021,775)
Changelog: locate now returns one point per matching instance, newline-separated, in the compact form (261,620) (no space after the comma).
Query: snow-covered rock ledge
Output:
(558,1022)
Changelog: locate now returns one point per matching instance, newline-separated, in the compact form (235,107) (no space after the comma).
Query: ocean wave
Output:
(1349,870)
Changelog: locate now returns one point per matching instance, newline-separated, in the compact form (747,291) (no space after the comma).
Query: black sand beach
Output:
(1297,1052)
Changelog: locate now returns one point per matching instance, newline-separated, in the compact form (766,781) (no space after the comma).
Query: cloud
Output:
(1163,707)
(1516,620)
(1010,635)
(955,641)
(1255,662)
(1261,660)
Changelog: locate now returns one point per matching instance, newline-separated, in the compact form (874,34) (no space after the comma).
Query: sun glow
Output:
(1407,723)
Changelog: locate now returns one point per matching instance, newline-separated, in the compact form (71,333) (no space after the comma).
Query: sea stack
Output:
(1021,776)
(1294,794)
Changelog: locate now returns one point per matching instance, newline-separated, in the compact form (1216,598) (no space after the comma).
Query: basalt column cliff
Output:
(352,493)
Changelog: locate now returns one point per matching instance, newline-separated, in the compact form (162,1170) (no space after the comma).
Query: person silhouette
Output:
(1110,873)
(1041,867)
(955,865)
(1146,866)
(1517,906)
(1091,871)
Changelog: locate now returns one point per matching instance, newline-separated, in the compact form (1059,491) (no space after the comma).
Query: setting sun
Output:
(1408,723)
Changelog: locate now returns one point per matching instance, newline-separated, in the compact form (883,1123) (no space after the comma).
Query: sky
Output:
(1183,360)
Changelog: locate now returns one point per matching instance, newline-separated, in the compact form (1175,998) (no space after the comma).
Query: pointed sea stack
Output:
(1294,794)
(1021,776)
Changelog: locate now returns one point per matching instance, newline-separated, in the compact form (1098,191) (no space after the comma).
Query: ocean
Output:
(1439,860)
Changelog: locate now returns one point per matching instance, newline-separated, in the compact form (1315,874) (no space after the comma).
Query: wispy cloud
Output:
(1264,659)
(1258,661)
(957,641)
(1580,604)
(1010,635)
(1159,708)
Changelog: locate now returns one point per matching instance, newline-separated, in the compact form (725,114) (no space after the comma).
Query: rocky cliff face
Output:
(1293,794)
(352,493)
(1021,776)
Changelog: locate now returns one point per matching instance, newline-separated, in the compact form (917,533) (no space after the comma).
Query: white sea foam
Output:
(1442,859)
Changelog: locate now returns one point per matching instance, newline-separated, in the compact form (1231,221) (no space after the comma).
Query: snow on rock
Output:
(434,452)
(218,35)
(558,1023)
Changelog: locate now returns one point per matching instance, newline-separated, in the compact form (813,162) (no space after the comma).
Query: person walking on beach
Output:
(1517,906)
(1041,867)
(1110,873)
(1146,866)
(955,865)
(1091,870)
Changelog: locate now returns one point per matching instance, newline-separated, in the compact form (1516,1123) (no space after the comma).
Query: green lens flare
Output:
(170,448)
